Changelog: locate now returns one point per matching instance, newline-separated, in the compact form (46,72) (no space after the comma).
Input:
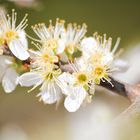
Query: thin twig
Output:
(128,91)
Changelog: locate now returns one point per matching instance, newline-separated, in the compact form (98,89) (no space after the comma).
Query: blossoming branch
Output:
(66,63)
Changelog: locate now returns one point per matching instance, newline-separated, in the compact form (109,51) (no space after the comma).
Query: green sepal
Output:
(86,87)
(97,81)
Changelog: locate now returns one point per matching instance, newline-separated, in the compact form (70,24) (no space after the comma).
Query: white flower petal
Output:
(88,45)
(70,104)
(121,64)
(50,93)
(82,63)
(18,49)
(9,80)
(65,80)
(108,58)
(89,41)
(61,46)
(4,61)
(75,99)
(2,71)
(22,38)
(34,54)
(29,79)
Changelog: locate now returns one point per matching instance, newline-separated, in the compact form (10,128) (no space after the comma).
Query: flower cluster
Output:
(65,62)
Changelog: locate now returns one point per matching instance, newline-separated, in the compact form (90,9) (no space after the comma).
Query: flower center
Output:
(49,75)
(51,43)
(49,58)
(11,35)
(82,78)
(96,58)
(46,57)
(99,72)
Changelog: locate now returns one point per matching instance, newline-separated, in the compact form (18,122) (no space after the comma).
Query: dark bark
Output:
(118,87)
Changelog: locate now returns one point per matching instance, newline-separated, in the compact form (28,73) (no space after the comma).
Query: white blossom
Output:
(49,91)
(72,37)
(43,73)
(76,87)
(50,37)
(75,94)
(99,57)
(13,36)
(66,63)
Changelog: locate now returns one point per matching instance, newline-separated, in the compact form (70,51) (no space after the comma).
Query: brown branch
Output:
(132,92)
(116,87)
(6,51)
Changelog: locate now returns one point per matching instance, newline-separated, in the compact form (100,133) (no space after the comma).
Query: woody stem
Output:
(118,87)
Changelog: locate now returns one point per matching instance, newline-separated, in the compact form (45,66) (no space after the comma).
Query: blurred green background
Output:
(116,18)
(22,116)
